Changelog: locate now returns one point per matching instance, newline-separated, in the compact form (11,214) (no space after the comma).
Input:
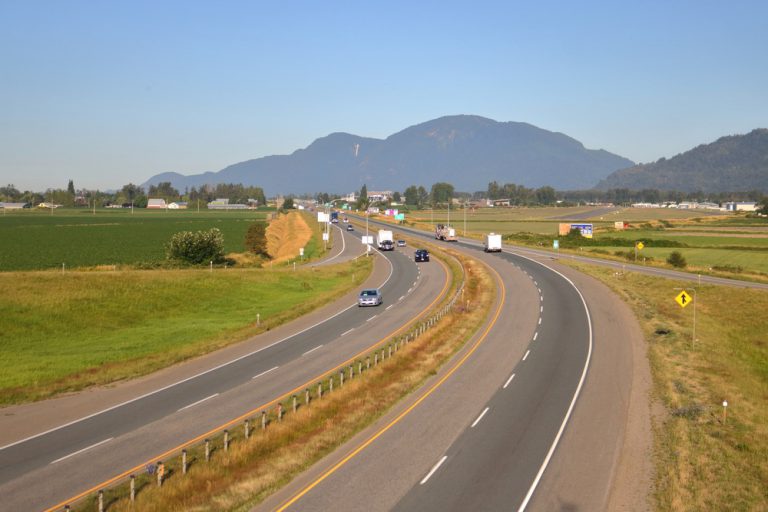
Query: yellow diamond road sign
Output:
(640,245)
(683,299)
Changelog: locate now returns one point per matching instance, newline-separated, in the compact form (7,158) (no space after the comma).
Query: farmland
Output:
(712,242)
(35,240)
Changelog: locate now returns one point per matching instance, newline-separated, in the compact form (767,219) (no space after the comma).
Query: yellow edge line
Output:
(213,431)
(378,434)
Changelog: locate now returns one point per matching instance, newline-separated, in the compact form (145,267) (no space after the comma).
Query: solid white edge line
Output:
(576,393)
(535,335)
(82,450)
(526,355)
(432,471)
(311,350)
(264,373)
(182,381)
(479,417)
(347,332)
(343,247)
(198,402)
(508,381)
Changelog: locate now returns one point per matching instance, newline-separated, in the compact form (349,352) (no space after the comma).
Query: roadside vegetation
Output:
(70,329)
(252,469)
(704,459)
(67,331)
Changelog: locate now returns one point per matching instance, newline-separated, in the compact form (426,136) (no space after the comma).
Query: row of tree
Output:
(135,195)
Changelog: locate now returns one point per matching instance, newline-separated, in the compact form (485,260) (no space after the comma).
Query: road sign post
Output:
(683,298)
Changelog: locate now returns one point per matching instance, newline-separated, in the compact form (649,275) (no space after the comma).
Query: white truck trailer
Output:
(445,232)
(385,241)
(492,242)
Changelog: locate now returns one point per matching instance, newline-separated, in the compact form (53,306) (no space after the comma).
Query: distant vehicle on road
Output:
(350,228)
(445,233)
(370,297)
(335,217)
(401,243)
(385,240)
(492,243)
(421,255)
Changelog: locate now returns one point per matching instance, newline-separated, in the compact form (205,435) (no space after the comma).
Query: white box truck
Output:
(492,242)
(385,240)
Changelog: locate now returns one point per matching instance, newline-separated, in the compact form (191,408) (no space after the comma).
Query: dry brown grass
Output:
(286,235)
(701,461)
(252,469)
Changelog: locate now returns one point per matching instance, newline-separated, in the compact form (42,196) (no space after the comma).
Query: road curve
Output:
(480,441)
(78,454)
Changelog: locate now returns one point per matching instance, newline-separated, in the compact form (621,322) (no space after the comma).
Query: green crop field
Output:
(35,240)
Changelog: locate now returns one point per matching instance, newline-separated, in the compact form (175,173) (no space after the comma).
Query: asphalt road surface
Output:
(74,454)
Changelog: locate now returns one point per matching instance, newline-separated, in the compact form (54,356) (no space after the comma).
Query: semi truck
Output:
(492,243)
(385,240)
(445,232)
(335,217)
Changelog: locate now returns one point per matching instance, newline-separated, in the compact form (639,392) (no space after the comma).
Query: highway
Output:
(482,439)
(74,453)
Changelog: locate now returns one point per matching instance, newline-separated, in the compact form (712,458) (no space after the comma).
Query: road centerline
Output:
(198,402)
(311,350)
(264,373)
(78,452)
(432,471)
(479,417)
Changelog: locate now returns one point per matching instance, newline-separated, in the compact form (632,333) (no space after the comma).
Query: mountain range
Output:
(736,163)
(467,151)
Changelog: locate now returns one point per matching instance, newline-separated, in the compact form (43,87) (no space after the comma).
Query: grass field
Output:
(703,460)
(66,331)
(33,240)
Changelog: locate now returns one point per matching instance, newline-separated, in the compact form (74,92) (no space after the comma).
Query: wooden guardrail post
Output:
(226,440)
(101,501)
(263,420)
(306,396)
(319,390)
(294,403)
(184,461)
(207,450)
(133,488)
(247,428)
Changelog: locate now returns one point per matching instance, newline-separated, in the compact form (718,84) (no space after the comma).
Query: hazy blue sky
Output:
(108,92)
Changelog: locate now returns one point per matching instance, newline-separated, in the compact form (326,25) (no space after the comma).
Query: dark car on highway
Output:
(421,255)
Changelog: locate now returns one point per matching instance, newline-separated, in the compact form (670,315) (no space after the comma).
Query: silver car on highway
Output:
(370,297)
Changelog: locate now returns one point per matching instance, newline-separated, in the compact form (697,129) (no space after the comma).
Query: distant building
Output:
(379,195)
(740,206)
(156,204)
(12,206)
(223,204)
(177,205)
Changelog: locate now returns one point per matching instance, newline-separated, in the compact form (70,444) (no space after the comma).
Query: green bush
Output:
(676,260)
(256,238)
(196,247)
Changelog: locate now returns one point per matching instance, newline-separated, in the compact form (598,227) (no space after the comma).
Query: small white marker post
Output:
(725,411)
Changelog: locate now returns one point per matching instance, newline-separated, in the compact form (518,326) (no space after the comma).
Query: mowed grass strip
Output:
(64,332)
(251,470)
(704,461)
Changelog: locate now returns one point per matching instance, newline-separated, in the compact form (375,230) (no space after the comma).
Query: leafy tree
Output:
(71,187)
(256,238)
(164,190)
(9,193)
(288,203)
(423,196)
(396,197)
(677,260)
(363,201)
(196,247)
(442,192)
(546,195)
(412,195)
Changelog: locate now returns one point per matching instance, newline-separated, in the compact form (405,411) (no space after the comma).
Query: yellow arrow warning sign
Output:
(683,299)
